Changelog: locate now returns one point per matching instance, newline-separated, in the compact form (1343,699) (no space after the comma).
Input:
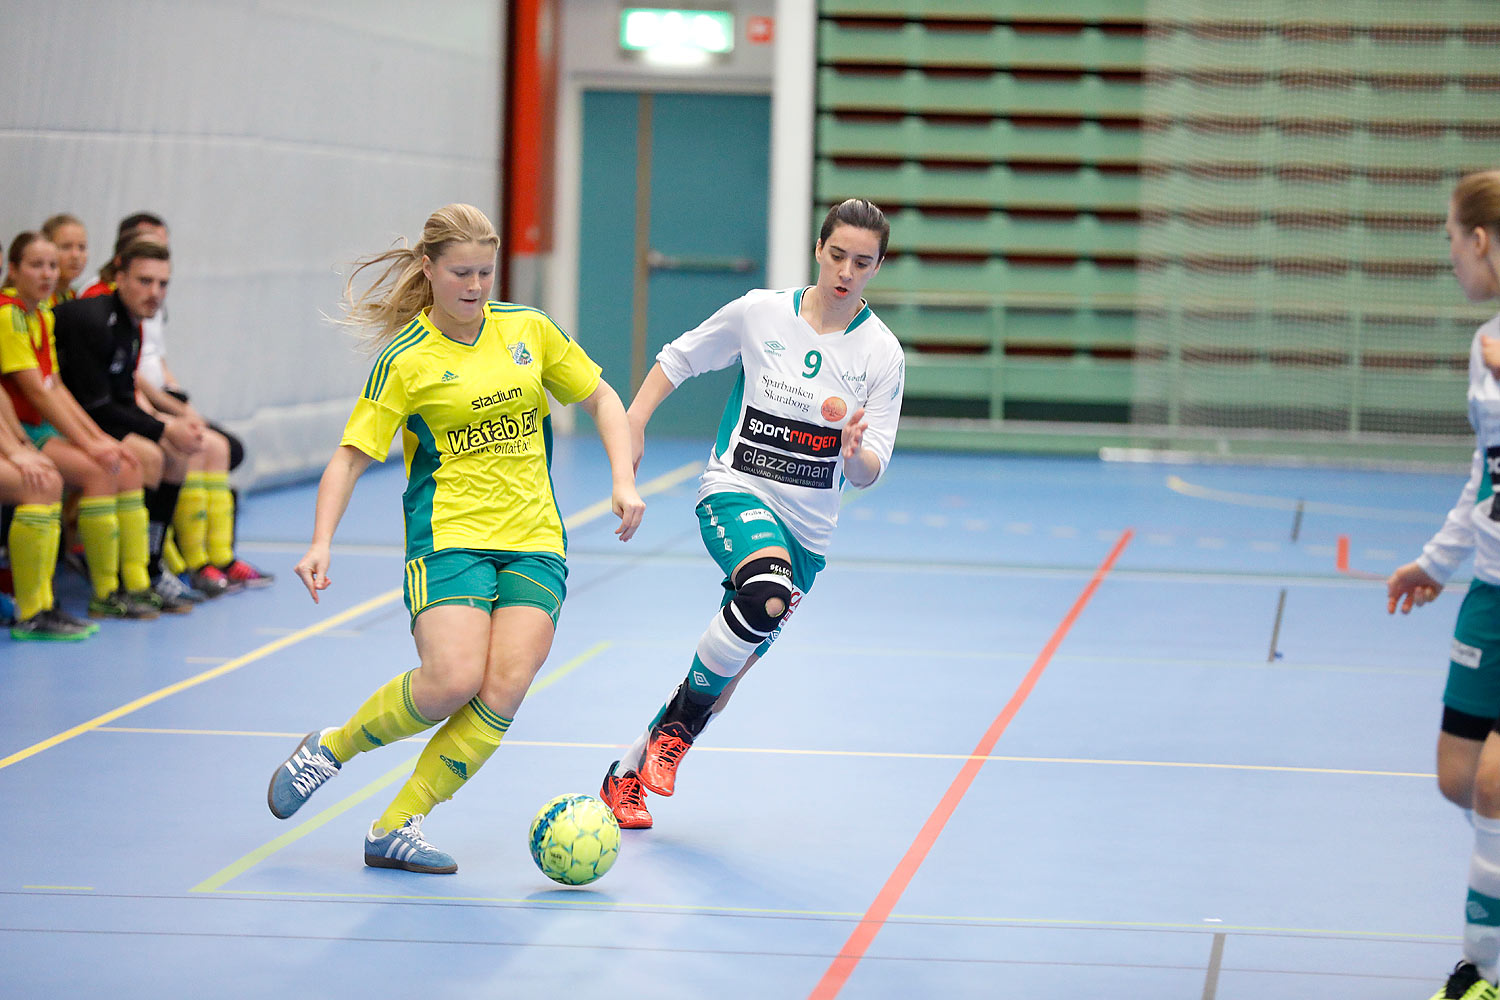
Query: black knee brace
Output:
(756,584)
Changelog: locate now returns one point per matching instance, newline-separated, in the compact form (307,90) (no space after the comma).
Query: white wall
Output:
(280,139)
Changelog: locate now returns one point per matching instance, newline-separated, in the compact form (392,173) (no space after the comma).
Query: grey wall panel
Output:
(280,141)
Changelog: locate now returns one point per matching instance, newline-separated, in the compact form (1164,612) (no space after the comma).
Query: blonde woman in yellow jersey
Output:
(462,378)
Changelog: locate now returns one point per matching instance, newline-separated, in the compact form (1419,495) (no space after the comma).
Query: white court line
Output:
(1179,485)
(884,754)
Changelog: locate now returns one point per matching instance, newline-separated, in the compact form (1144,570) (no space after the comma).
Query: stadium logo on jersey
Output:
(449,377)
(498,396)
(519,354)
(788,434)
(782,468)
(774,347)
(786,393)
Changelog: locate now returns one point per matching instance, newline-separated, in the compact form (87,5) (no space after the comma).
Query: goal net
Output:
(1296,164)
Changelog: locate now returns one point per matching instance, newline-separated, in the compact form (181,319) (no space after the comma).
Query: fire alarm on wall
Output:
(760,30)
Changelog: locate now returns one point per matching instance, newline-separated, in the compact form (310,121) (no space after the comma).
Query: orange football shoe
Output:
(664,752)
(626,798)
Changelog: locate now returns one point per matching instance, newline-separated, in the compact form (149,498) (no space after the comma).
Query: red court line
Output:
(1341,562)
(875,917)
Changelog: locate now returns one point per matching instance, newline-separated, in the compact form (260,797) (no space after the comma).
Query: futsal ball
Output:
(575,839)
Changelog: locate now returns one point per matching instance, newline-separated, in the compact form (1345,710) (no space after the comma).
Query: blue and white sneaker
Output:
(303,772)
(405,849)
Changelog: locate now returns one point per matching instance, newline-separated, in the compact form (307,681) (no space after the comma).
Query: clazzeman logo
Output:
(783,469)
(498,434)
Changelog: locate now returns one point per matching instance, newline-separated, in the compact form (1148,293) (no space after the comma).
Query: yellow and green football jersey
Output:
(26,343)
(475,429)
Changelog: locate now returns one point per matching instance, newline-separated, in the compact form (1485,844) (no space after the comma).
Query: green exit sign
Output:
(665,29)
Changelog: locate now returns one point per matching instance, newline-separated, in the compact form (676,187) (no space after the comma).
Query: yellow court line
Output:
(302,829)
(584,900)
(599,647)
(296,833)
(576,899)
(207,675)
(662,482)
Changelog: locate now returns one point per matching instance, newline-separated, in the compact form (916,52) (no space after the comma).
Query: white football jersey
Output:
(1473,525)
(780,436)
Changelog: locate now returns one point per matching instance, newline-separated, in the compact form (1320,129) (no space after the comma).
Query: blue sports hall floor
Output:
(1044,727)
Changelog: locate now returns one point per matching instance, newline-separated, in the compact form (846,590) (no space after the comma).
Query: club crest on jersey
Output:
(834,409)
(519,354)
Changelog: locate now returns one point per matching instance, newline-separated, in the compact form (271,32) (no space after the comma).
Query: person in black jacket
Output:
(98,348)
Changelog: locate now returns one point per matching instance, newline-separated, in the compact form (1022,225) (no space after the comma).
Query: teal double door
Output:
(673,220)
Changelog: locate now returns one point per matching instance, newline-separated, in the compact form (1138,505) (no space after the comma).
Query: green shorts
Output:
(733,525)
(1474,660)
(487,580)
(41,433)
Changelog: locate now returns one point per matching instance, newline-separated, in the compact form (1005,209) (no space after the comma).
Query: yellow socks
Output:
(220,508)
(450,758)
(135,540)
(190,523)
(34,534)
(99,527)
(386,716)
(170,557)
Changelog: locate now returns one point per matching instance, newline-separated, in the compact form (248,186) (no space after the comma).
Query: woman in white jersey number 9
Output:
(1468,751)
(815,408)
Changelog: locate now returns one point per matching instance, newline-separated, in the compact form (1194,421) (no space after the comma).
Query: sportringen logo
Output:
(796,436)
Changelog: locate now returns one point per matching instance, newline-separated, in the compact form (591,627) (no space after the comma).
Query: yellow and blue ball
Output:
(575,839)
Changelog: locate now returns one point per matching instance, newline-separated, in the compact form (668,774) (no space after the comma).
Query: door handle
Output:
(658,261)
